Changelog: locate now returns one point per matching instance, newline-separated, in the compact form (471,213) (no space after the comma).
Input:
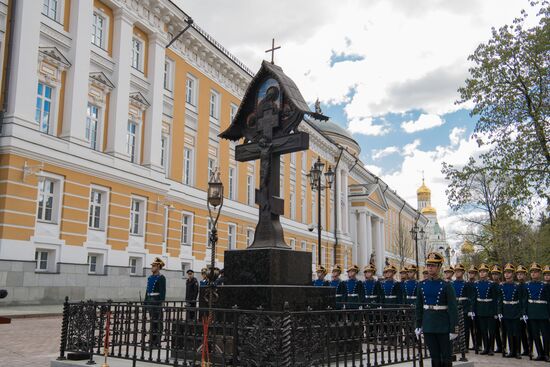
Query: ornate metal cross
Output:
(272,50)
(268,149)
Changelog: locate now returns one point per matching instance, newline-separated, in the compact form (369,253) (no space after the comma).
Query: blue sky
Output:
(386,70)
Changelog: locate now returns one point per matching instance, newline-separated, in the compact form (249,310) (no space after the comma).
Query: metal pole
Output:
(416,250)
(319,262)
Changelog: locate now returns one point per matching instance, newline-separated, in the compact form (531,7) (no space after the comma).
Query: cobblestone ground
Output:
(498,361)
(29,342)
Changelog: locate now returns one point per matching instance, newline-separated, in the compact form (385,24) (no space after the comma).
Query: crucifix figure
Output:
(272,50)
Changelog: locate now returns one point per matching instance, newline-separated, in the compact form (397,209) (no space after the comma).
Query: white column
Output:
(76,101)
(24,59)
(369,236)
(382,233)
(345,217)
(118,115)
(153,121)
(353,217)
(340,212)
(380,251)
(362,249)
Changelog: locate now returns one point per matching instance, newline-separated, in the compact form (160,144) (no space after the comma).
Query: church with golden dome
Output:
(435,238)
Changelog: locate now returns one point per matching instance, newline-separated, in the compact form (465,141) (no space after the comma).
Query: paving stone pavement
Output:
(498,361)
(29,342)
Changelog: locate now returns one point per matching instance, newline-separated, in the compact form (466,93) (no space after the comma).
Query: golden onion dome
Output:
(428,210)
(423,189)
(467,247)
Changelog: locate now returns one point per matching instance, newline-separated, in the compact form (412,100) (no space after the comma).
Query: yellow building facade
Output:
(108,140)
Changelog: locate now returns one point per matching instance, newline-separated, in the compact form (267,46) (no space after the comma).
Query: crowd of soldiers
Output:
(499,307)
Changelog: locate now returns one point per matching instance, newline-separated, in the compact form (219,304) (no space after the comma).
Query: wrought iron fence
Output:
(173,334)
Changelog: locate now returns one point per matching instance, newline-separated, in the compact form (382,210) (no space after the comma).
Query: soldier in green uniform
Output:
(538,312)
(485,308)
(354,289)
(521,276)
(472,278)
(437,313)
(510,308)
(373,289)
(465,293)
(339,285)
(154,296)
(448,273)
(496,273)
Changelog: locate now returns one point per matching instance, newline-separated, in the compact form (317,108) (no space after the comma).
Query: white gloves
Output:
(524,318)
(472,314)
(453,336)
(418,332)
(499,316)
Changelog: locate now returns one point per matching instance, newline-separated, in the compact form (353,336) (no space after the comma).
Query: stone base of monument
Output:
(269,278)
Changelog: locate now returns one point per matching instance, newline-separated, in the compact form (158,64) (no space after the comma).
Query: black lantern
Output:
(215,189)
(329,176)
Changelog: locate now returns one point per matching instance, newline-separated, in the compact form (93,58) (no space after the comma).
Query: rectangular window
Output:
(249,237)
(190,90)
(186,229)
(43,107)
(250,190)
(136,217)
(231,236)
(214,101)
(232,187)
(187,166)
(303,246)
(164,152)
(92,264)
(133,265)
(168,74)
(41,258)
(211,167)
(232,112)
(49,9)
(98,30)
(314,253)
(46,200)
(131,141)
(97,207)
(137,54)
(293,243)
(92,125)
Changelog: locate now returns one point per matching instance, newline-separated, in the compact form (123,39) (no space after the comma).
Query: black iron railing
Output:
(173,334)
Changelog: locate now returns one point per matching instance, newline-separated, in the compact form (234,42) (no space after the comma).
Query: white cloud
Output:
(365,126)
(374,169)
(381,153)
(424,122)
(456,134)
(409,149)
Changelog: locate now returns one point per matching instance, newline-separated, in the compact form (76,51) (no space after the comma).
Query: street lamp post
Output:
(215,200)
(315,180)
(417,234)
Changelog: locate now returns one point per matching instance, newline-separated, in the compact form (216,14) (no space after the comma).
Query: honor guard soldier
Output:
(339,285)
(191,293)
(472,278)
(436,313)
(511,308)
(355,292)
(321,273)
(521,276)
(538,312)
(487,294)
(393,292)
(496,274)
(448,272)
(409,287)
(373,289)
(403,274)
(204,280)
(154,296)
(546,274)
(465,293)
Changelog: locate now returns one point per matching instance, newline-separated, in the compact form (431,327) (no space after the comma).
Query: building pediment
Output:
(53,56)
(369,193)
(100,80)
(138,99)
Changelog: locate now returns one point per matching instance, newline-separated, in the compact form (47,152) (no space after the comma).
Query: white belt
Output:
(510,302)
(411,297)
(353,295)
(371,296)
(391,297)
(339,295)
(462,299)
(153,294)
(538,301)
(435,307)
(485,300)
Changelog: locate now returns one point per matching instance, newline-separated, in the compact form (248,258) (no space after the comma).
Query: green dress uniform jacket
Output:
(538,300)
(373,291)
(465,295)
(512,301)
(486,301)
(393,292)
(436,307)
(156,289)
